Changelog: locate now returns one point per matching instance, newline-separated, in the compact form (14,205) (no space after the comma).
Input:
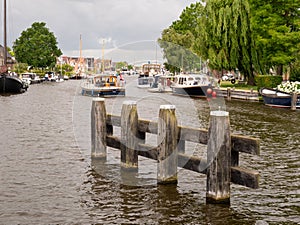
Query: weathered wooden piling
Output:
(223,148)
(167,145)
(228,93)
(98,129)
(129,135)
(294,101)
(218,158)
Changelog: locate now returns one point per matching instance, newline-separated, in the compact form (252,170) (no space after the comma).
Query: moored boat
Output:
(9,84)
(277,98)
(162,83)
(146,77)
(193,85)
(31,78)
(104,85)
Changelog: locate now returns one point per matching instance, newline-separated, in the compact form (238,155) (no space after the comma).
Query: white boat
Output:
(51,76)
(26,79)
(103,85)
(193,85)
(162,83)
(30,78)
(146,77)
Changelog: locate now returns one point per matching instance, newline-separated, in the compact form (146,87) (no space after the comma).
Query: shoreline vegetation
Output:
(239,85)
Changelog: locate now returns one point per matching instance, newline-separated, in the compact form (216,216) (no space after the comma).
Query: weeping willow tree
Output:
(225,37)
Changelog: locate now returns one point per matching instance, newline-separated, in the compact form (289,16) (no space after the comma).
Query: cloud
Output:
(117,21)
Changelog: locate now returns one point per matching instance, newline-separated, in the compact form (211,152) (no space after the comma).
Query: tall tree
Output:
(276,26)
(177,40)
(37,46)
(225,37)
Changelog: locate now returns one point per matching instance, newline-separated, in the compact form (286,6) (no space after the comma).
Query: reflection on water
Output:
(46,175)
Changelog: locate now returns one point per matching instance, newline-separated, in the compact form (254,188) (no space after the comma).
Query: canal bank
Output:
(46,175)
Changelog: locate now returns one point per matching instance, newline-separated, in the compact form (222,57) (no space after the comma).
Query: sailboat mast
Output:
(80,48)
(103,55)
(4,32)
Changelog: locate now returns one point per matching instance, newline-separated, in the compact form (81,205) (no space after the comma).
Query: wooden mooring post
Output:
(223,148)
(229,93)
(167,145)
(98,129)
(294,101)
(218,158)
(129,135)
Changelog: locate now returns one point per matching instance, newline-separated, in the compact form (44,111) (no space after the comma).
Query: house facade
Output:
(10,60)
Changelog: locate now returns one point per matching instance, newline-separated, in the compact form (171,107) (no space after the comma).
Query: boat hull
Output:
(12,85)
(145,82)
(192,91)
(111,92)
(278,99)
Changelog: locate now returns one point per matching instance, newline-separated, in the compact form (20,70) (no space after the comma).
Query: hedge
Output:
(268,81)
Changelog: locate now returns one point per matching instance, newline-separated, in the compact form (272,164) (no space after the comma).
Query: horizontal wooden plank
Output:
(148,151)
(245,144)
(239,143)
(193,134)
(192,163)
(147,126)
(113,120)
(241,176)
(113,141)
(245,177)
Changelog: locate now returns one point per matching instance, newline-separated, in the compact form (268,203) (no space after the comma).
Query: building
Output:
(10,60)
(87,62)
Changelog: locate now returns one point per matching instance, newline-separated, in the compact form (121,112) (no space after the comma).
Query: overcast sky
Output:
(127,26)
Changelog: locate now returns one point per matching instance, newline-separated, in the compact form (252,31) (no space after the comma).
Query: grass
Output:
(237,85)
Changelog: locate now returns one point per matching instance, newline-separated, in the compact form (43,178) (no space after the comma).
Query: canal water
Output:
(46,174)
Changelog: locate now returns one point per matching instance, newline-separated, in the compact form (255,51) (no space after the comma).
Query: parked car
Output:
(229,77)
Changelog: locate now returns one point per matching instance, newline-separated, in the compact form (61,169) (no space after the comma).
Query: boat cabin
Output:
(107,81)
(151,69)
(191,79)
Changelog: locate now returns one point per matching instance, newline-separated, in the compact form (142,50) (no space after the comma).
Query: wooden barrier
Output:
(223,148)
(232,93)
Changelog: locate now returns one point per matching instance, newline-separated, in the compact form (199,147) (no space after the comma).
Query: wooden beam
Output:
(239,143)
(238,175)
(245,177)
(245,144)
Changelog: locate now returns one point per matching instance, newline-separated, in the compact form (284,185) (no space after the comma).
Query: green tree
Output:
(121,65)
(178,39)
(225,37)
(37,46)
(295,70)
(10,51)
(65,69)
(276,26)
(20,67)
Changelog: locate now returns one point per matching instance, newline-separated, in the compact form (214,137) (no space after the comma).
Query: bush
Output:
(295,73)
(268,81)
